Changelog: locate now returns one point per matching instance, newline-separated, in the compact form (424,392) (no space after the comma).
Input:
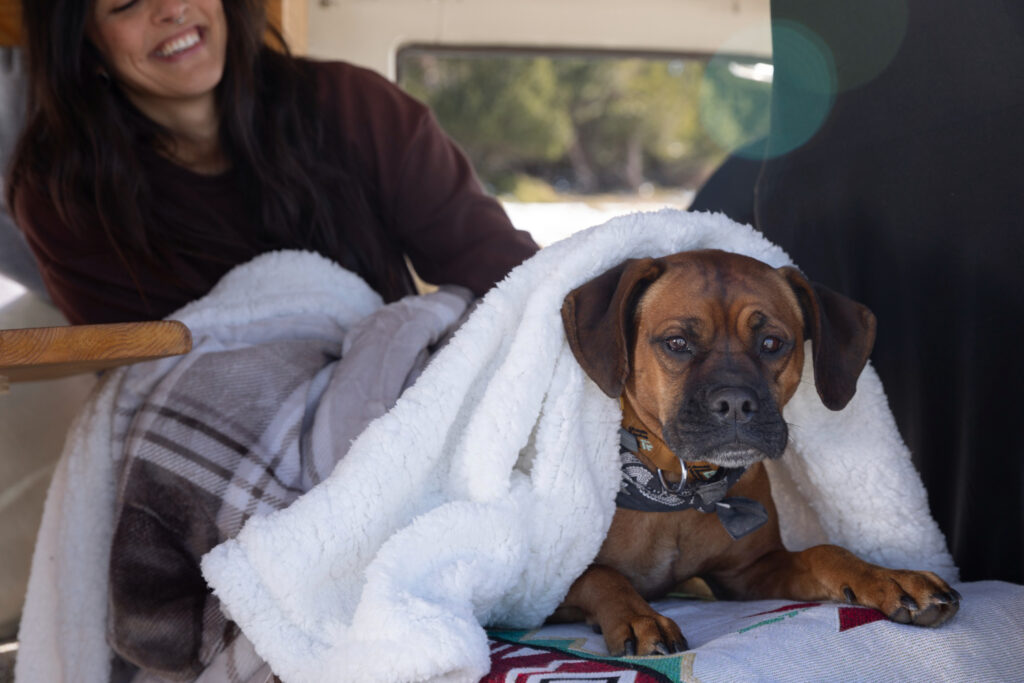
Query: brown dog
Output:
(704,349)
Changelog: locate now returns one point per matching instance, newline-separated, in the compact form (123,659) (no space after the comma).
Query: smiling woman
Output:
(169,143)
(289,16)
(168,57)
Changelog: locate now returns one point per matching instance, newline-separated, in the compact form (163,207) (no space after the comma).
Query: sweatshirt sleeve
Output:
(424,188)
(82,275)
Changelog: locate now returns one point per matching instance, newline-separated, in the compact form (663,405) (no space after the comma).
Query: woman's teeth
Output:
(179,44)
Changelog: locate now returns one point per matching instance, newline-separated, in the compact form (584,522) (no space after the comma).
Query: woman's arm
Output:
(83,275)
(423,186)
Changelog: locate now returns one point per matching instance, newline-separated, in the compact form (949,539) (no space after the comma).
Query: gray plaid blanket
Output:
(255,416)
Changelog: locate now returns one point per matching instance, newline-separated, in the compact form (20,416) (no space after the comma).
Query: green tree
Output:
(505,112)
(630,112)
(617,123)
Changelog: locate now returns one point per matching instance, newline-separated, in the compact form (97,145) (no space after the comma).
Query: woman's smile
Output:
(179,45)
(163,54)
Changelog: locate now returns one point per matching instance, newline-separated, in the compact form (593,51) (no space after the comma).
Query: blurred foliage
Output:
(508,112)
(588,124)
(527,188)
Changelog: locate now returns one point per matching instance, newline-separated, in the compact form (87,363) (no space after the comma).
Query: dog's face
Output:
(717,350)
(708,346)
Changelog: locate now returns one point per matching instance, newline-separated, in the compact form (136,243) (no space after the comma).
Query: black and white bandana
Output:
(646,491)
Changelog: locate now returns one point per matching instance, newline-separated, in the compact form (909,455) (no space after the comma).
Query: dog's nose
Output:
(732,404)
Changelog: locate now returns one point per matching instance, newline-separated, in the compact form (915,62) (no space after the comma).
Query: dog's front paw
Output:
(641,632)
(906,597)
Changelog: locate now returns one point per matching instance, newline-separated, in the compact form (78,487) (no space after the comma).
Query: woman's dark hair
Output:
(83,135)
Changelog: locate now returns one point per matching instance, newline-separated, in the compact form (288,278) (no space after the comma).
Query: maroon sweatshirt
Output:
(424,197)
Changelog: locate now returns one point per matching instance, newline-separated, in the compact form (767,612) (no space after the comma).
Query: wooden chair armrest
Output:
(49,352)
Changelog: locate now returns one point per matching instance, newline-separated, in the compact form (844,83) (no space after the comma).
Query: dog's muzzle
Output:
(729,426)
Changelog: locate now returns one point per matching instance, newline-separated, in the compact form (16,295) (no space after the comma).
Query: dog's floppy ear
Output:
(598,317)
(842,332)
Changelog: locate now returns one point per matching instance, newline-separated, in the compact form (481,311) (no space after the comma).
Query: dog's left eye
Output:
(771,345)
(677,345)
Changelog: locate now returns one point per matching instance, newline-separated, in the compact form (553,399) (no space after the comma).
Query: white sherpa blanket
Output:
(477,499)
(503,464)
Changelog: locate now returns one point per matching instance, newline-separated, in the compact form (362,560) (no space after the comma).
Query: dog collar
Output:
(703,487)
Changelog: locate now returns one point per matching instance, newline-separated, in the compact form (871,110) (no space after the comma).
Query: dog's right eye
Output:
(677,345)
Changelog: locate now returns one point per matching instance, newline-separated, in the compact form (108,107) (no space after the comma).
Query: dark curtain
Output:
(894,172)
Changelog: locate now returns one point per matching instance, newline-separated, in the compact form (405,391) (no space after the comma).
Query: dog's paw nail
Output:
(956,594)
(909,602)
(851,597)
(680,646)
(630,648)
(661,649)
(949,598)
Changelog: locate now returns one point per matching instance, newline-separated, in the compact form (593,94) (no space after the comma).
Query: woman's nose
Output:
(171,11)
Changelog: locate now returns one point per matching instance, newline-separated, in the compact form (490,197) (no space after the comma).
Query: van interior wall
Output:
(371,33)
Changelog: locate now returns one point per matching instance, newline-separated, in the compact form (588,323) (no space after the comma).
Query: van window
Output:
(568,139)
